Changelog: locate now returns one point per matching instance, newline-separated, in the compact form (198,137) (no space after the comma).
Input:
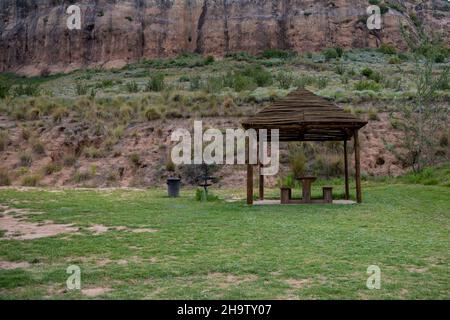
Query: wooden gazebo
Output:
(304,116)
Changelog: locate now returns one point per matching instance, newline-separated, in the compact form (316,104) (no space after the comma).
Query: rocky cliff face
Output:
(34,35)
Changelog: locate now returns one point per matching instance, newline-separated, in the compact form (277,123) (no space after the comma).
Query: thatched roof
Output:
(304,116)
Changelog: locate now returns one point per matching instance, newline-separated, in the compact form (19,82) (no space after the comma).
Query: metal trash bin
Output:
(173,187)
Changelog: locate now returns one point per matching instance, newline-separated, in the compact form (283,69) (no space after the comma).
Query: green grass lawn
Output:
(229,250)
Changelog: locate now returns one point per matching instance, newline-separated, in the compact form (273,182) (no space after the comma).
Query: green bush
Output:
(51,168)
(367,85)
(81,176)
(151,114)
(135,159)
(395,60)
(386,48)
(278,54)
(373,115)
(372,75)
(81,89)
(4,89)
(330,53)
(195,83)
(31,180)
(285,79)
(25,159)
(31,90)
(4,140)
(4,178)
(93,152)
(241,82)
(59,114)
(69,160)
(261,76)
(38,147)
(132,87)
(297,163)
(156,82)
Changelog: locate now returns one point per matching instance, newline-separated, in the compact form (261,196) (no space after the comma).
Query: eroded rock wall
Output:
(35,37)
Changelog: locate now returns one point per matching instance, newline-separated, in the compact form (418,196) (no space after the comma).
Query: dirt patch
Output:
(298,283)
(417,270)
(93,292)
(223,280)
(143,230)
(9,265)
(99,229)
(16,227)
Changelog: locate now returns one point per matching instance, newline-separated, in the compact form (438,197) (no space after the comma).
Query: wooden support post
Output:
(249,173)
(261,177)
(347,191)
(357,168)
(261,184)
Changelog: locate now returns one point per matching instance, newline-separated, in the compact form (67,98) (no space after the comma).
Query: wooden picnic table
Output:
(306,182)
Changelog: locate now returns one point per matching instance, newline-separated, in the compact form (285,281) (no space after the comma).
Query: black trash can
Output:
(173,187)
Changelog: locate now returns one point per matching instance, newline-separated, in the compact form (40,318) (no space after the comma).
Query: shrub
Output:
(31,90)
(339,51)
(38,147)
(276,53)
(81,89)
(209,60)
(373,115)
(298,164)
(194,83)
(285,79)
(81,176)
(132,87)
(135,159)
(25,159)
(367,72)
(59,114)
(367,85)
(4,178)
(31,180)
(395,60)
(330,53)
(51,168)
(322,82)
(261,76)
(339,69)
(241,82)
(173,114)
(93,152)
(387,48)
(4,140)
(69,160)
(4,89)
(156,82)
(374,2)
(372,75)
(151,114)
(34,114)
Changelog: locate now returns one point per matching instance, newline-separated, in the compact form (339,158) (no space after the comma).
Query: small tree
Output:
(422,120)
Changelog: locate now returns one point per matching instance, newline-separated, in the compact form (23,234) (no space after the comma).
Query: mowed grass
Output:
(229,250)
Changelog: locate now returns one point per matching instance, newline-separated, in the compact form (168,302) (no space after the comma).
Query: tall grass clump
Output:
(156,82)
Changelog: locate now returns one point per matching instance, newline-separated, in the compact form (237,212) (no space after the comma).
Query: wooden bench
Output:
(286,195)
(327,194)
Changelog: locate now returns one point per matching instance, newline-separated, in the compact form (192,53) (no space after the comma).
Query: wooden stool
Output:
(286,195)
(327,194)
